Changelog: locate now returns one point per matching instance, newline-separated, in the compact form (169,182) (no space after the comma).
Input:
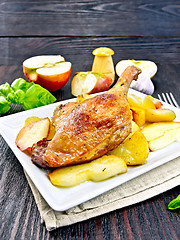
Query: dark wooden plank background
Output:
(134,30)
(78,50)
(89,18)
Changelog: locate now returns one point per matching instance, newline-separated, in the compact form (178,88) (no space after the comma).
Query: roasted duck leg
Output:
(92,128)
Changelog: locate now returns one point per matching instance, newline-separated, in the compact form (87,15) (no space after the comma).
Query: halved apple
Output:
(51,72)
(89,82)
(55,77)
(148,70)
(32,133)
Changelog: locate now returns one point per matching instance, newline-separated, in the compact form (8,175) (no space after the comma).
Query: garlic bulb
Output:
(143,84)
(148,70)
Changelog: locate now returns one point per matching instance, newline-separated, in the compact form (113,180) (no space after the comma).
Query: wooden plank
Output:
(89,18)
(78,51)
(160,50)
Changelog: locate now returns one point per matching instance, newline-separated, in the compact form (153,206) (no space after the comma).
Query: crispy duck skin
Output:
(92,128)
(61,112)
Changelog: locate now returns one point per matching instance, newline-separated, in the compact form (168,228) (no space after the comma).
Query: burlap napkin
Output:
(139,189)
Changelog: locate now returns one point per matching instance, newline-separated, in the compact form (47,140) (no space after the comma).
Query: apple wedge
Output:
(50,71)
(31,119)
(159,115)
(156,130)
(89,82)
(160,135)
(148,70)
(139,116)
(169,137)
(97,170)
(35,119)
(134,150)
(32,133)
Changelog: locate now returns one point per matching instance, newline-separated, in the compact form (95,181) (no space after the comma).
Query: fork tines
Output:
(168,98)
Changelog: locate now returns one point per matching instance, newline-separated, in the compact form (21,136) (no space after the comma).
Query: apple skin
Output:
(158,104)
(102,85)
(30,74)
(53,82)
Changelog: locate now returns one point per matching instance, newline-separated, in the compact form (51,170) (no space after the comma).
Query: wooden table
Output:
(134,30)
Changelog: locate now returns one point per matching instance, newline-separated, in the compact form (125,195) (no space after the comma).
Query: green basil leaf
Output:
(37,96)
(16,97)
(4,105)
(174,204)
(21,84)
(5,89)
(30,95)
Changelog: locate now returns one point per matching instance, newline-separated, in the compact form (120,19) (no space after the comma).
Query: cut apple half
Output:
(148,70)
(147,67)
(51,72)
(32,133)
(42,61)
(55,77)
(89,82)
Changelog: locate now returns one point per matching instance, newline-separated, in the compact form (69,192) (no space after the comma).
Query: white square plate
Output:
(61,199)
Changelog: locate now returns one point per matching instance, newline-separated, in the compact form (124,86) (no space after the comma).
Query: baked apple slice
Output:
(156,130)
(160,135)
(169,137)
(32,133)
(89,82)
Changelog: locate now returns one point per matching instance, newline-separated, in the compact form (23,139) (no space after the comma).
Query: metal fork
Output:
(168,98)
